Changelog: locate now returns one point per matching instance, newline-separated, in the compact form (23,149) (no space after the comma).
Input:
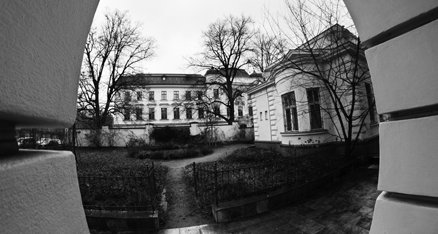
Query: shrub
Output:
(206,150)
(252,155)
(190,153)
(95,137)
(171,134)
(156,155)
(134,146)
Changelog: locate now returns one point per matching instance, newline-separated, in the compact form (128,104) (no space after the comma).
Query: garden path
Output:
(344,208)
(182,210)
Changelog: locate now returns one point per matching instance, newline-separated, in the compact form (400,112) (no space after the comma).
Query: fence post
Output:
(215,184)
(195,181)
(154,186)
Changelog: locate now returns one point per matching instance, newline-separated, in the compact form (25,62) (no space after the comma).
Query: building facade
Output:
(294,108)
(177,99)
(160,99)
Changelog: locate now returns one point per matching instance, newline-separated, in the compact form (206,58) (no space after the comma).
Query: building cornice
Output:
(261,86)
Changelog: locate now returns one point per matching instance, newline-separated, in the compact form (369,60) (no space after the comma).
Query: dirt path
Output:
(182,210)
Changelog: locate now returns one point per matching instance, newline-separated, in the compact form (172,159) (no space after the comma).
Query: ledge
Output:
(267,142)
(300,133)
(122,221)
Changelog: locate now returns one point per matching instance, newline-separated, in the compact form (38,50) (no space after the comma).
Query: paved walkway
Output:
(182,211)
(217,154)
(346,208)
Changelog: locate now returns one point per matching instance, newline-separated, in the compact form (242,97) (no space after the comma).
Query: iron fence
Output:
(214,183)
(120,192)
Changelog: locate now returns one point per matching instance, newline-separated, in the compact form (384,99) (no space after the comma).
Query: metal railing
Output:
(215,183)
(137,193)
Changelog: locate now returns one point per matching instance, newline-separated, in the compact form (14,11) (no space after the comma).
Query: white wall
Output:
(121,136)
(42,44)
(402,55)
(262,125)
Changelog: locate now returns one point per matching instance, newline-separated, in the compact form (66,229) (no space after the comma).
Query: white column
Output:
(402,53)
(41,45)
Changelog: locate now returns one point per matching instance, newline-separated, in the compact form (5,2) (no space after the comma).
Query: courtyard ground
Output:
(344,208)
(182,210)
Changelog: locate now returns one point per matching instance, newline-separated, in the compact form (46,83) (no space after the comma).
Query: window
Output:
(188,113)
(127,96)
(250,111)
(188,95)
(240,111)
(139,113)
(139,96)
(199,95)
(164,112)
(176,113)
(216,110)
(261,116)
(175,95)
(200,113)
(371,103)
(127,114)
(290,112)
(151,95)
(216,93)
(266,115)
(151,113)
(314,108)
(163,95)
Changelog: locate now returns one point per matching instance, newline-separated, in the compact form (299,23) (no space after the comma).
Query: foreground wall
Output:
(402,53)
(42,43)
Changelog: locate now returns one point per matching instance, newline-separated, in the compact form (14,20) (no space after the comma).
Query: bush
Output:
(252,155)
(156,155)
(95,137)
(206,150)
(190,153)
(171,134)
(135,146)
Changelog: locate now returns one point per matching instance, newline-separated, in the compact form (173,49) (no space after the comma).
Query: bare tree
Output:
(330,57)
(110,53)
(227,47)
(267,49)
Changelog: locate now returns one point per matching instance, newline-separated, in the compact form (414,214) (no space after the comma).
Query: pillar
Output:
(41,43)
(402,54)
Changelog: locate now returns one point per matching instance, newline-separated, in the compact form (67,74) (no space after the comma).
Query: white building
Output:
(293,108)
(242,82)
(160,99)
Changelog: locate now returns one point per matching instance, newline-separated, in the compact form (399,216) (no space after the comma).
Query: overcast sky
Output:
(177,25)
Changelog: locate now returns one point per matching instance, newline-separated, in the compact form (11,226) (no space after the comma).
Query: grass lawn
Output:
(110,162)
(253,171)
(108,178)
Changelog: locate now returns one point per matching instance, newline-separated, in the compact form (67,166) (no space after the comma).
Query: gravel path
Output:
(182,210)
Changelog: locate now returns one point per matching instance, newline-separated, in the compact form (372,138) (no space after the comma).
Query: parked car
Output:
(42,141)
(27,143)
(51,144)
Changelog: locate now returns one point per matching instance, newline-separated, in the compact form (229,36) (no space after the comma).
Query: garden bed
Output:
(253,171)
(112,184)
(170,154)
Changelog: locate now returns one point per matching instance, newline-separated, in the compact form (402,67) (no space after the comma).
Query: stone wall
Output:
(118,137)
